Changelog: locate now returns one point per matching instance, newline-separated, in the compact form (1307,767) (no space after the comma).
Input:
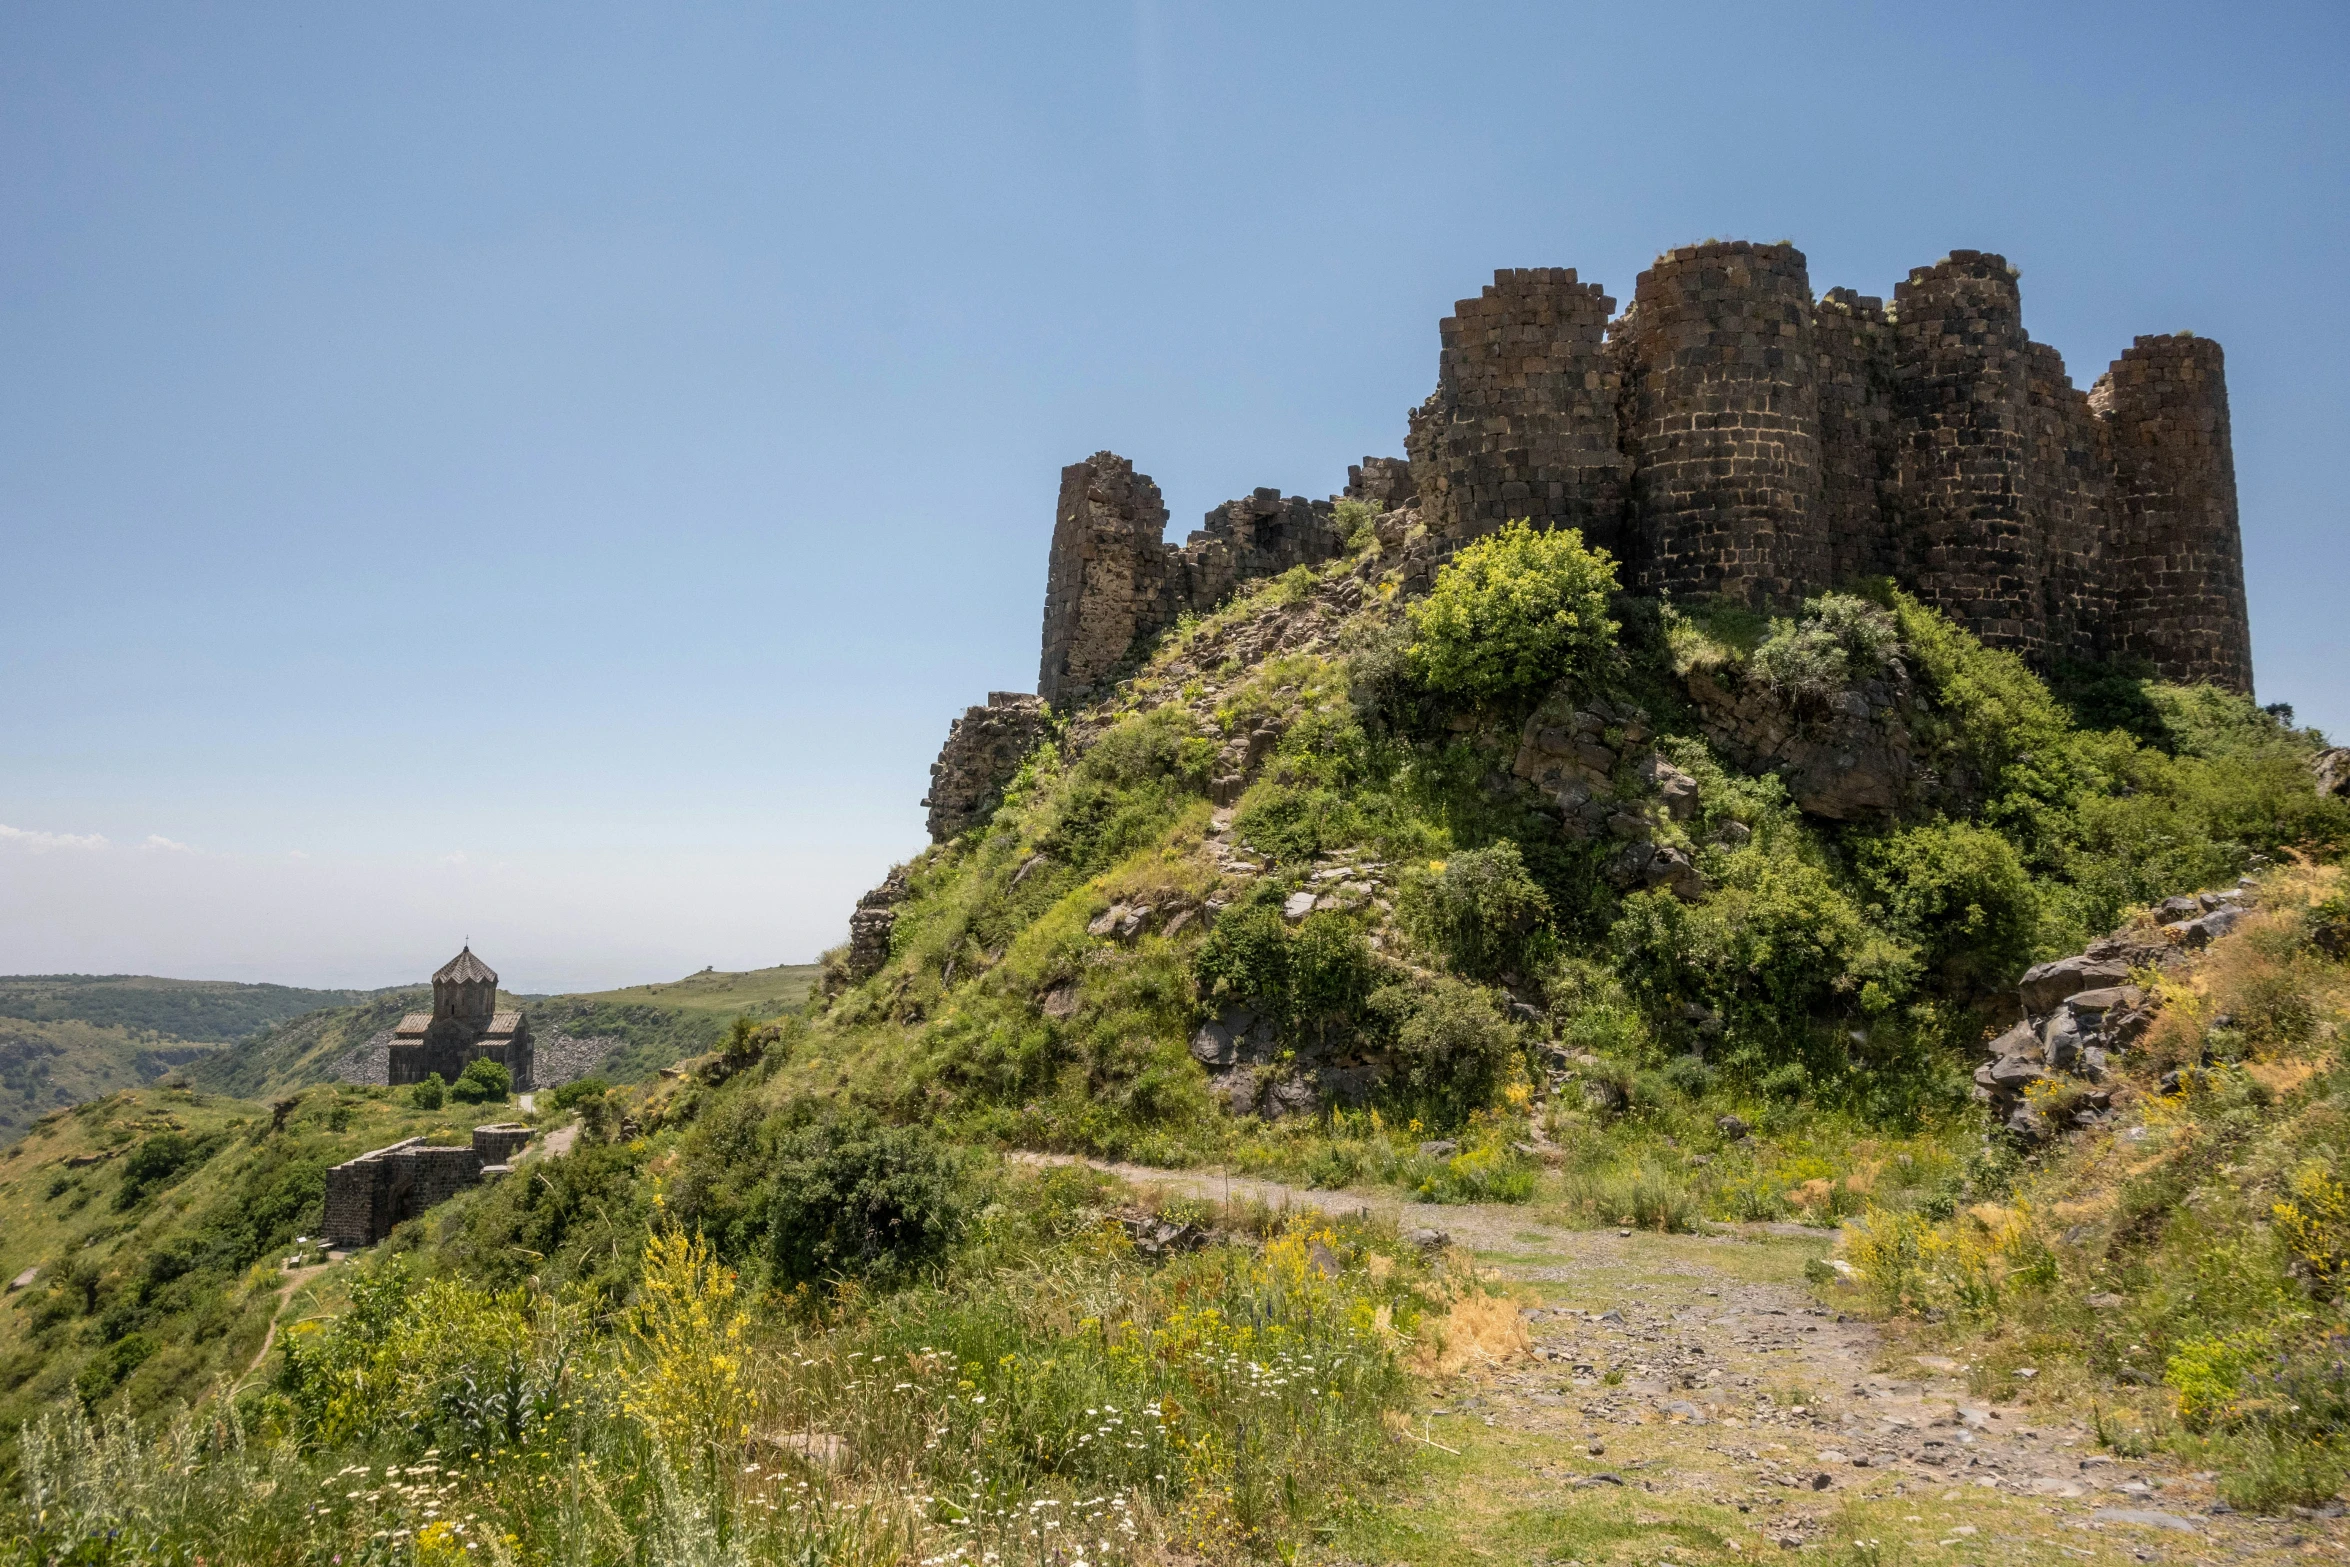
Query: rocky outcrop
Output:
(1591,763)
(1252,1072)
(984,748)
(1843,756)
(2053,1070)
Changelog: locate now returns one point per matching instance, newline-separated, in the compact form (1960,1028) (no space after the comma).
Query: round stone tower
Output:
(2178,554)
(1723,424)
(1965,538)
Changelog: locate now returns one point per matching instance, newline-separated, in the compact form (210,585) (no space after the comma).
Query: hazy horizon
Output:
(552,475)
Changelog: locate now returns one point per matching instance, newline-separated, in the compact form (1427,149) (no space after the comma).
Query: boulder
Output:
(2046,984)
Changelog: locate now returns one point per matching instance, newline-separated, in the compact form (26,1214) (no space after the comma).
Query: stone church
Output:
(464,1025)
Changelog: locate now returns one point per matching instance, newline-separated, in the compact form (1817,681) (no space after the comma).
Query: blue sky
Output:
(550,474)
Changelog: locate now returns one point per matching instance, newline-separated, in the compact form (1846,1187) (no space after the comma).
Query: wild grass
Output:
(2187,1272)
(1053,1397)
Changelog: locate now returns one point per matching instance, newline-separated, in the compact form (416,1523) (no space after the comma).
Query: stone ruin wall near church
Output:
(1730,434)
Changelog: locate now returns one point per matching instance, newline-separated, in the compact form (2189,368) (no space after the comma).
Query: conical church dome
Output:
(465,969)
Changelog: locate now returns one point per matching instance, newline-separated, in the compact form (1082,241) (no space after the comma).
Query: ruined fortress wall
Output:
(1853,345)
(2177,546)
(1964,540)
(1723,424)
(1523,419)
(1107,575)
(1732,435)
(2069,489)
(984,748)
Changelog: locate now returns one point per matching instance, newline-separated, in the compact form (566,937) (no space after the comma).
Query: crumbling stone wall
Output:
(984,748)
(1729,434)
(1107,575)
(2179,555)
(1722,424)
(2069,488)
(367,1196)
(1384,482)
(1113,578)
(1523,419)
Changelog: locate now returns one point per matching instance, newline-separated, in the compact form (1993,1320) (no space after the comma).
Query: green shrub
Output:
(482,1082)
(1293,825)
(854,1198)
(1453,1050)
(1513,612)
(1310,981)
(1838,639)
(1482,911)
(155,1162)
(577,1089)
(430,1094)
(1961,893)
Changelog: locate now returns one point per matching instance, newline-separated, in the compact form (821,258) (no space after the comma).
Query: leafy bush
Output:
(430,1094)
(1514,611)
(155,1162)
(1310,981)
(1837,640)
(1453,1050)
(1961,893)
(853,1198)
(482,1082)
(1482,911)
(577,1089)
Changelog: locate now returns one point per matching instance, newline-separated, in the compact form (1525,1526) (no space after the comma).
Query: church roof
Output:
(414,1023)
(503,1025)
(466,969)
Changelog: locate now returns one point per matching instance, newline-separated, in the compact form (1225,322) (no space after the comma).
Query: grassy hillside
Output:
(305,1050)
(44,1065)
(158,1218)
(200,1011)
(1508,889)
(663,1023)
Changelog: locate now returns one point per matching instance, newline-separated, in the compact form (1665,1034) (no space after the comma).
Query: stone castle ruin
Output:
(463,1026)
(1729,434)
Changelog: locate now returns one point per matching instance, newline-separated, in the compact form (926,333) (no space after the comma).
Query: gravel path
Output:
(1702,1372)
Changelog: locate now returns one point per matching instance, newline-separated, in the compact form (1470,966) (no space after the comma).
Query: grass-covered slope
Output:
(308,1049)
(157,1219)
(1568,906)
(200,1011)
(49,1064)
(659,1024)
(2180,1273)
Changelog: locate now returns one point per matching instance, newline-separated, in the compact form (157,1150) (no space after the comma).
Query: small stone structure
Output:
(463,1026)
(367,1196)
(984,748)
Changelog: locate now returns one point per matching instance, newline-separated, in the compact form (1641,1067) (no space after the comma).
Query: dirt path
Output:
(1690,1395)
(295,1279)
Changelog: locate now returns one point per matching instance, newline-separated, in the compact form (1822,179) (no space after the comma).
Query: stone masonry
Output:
(1523,419)
(1113,579)
(1730,434)
(984,748)
(367,1196)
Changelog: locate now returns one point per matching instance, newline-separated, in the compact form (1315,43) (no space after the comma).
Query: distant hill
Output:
(48,1064)
(652,1024)
(200,1011)
(305,1049)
